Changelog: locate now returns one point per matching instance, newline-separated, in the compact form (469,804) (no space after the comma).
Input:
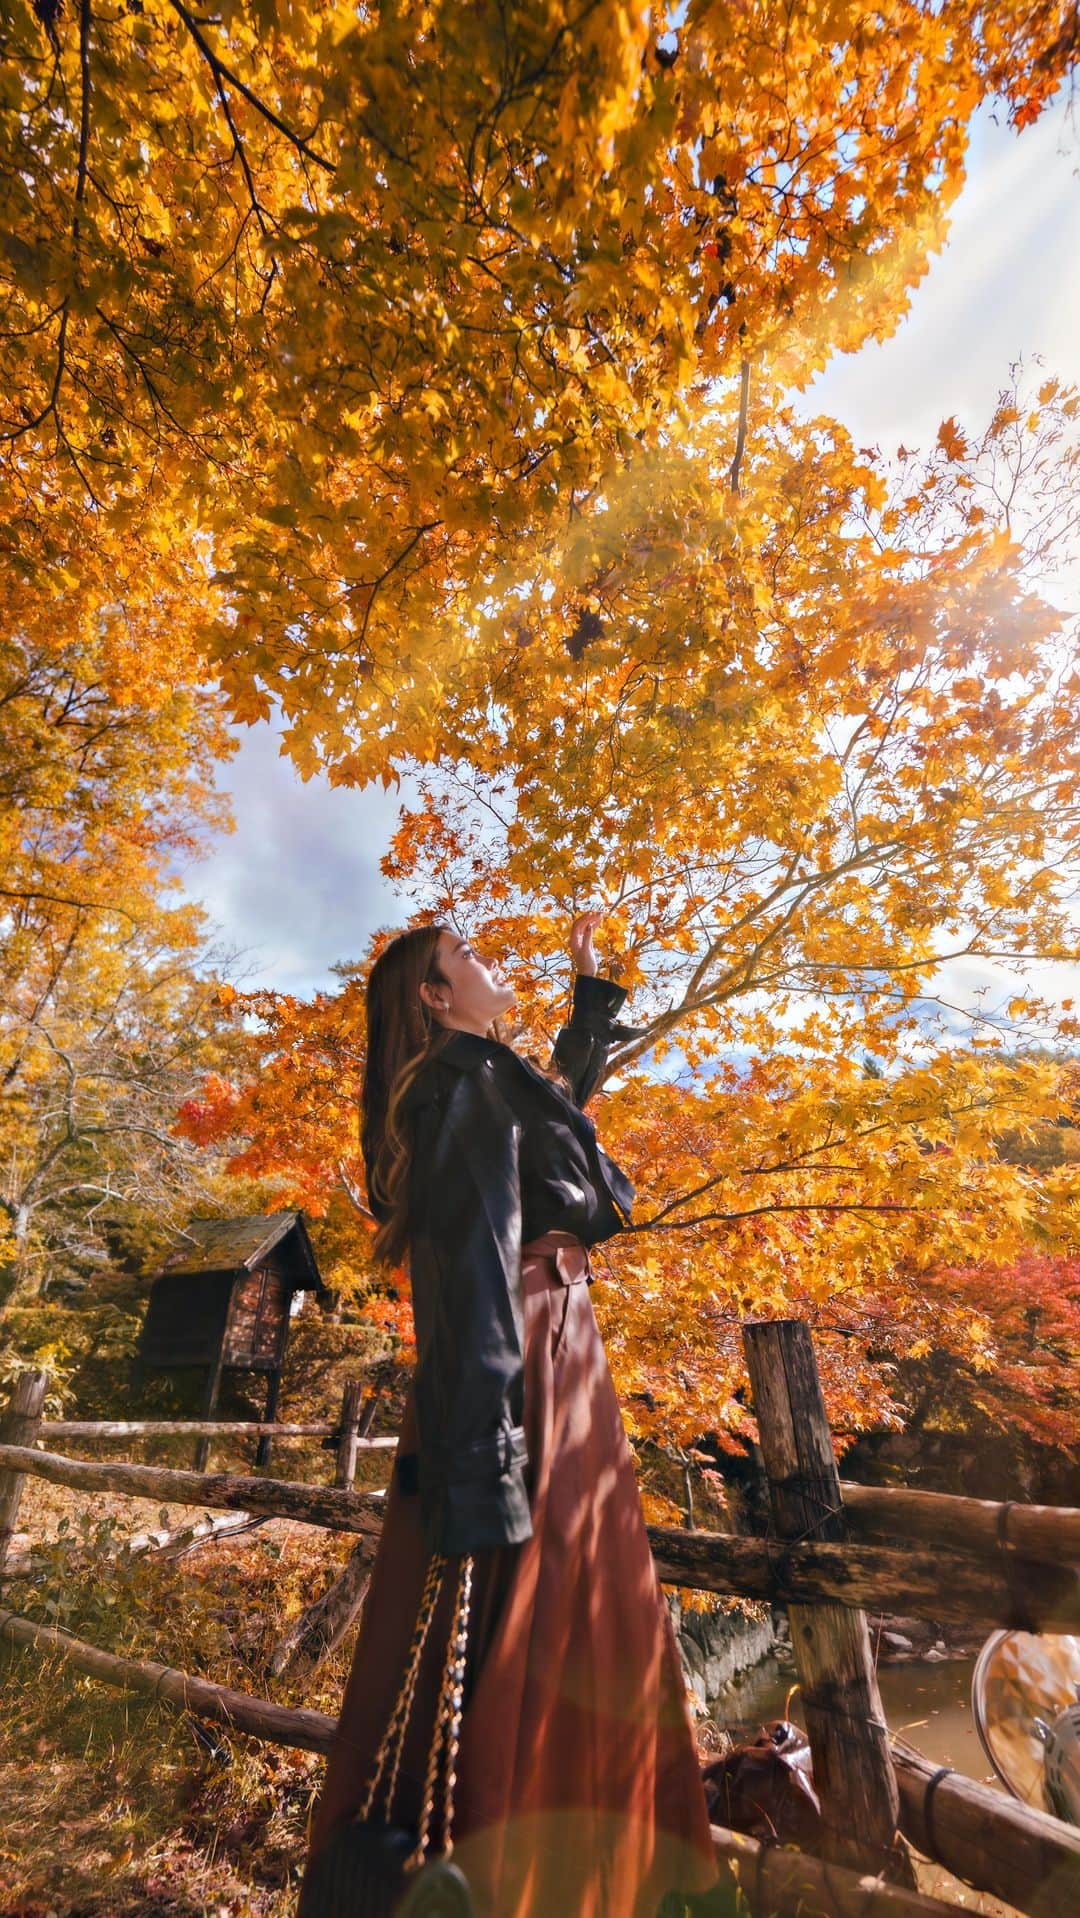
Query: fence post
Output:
(210,1398)
(273,1387)
(849,1740)
(348,1428)
(19,1426)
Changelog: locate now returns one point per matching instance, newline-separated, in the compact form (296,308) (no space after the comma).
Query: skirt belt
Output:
(558,1258)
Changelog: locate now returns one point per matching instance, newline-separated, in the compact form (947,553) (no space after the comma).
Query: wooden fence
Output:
(835,1552)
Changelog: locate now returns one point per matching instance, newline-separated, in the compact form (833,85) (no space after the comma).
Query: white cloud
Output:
(297,885)
(1006,284)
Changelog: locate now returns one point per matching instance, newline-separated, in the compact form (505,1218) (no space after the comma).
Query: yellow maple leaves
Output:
(390,369)
(416,342)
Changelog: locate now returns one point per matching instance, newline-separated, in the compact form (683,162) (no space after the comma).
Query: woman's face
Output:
(474,994)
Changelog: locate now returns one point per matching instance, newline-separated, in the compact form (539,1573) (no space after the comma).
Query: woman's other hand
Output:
(581,946)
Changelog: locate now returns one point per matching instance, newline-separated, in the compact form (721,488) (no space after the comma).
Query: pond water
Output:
(928,1702)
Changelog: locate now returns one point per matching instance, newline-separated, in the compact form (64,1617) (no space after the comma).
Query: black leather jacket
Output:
(493,1139)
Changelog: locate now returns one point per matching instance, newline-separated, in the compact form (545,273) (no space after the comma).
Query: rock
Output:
(715,1647)
(896,1642)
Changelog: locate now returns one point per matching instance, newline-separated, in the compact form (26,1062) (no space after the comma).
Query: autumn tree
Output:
(801,780)
(437,364)
(99,1045)
(357,314)
(1019,1371)
(108,746)
(109,742)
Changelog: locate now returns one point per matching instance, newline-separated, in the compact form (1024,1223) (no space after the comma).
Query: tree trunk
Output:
(18,1427)
(23,1277)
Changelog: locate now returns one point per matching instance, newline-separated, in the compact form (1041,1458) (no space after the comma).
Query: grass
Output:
(117,1807)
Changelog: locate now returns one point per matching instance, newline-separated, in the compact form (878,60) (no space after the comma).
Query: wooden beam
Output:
(954,1587)
(280,1498)
(304,1730)
(990,1840)
(983,1525)
(190,1428)
(18,1428)
(322,1626)
(935,1585)
(188,1538)
(201,1456)
(273,1388)
(369,1410)
(845,1722)
(779,1882)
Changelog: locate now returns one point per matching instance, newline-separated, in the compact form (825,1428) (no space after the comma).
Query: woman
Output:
(578,1792)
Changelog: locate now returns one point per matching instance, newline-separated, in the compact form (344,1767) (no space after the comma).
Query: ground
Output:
(117,1807)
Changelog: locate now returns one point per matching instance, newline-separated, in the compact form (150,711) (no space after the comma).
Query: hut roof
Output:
(234,1245)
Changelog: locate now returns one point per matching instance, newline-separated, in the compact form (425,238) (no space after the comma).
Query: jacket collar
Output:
(464,1051)
(467,1050)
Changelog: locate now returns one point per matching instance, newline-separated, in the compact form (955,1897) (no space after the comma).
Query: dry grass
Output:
(116,1806)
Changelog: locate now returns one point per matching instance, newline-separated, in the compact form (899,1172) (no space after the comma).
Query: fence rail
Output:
(783,1883)
(303,1730)
(327,1505)
(953,1587)
(200,1428)
(838,1551)
(994,1843)
(973,1524)
(946,1586)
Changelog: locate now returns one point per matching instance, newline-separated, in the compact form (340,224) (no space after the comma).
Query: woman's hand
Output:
(581,946)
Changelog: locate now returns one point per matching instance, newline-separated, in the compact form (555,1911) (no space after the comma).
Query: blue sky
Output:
(297,886)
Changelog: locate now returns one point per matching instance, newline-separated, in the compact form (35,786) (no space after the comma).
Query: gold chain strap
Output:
(448,1715)
(400,1713)
(448,1722)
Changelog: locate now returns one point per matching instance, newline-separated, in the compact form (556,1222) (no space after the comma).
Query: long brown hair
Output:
(402,1035)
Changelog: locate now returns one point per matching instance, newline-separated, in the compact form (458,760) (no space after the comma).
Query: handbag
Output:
(372,1867)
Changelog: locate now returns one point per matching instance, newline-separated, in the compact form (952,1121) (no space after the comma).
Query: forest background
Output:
(434,386)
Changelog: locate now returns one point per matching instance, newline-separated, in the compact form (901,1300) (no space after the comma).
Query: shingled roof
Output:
(234,1245)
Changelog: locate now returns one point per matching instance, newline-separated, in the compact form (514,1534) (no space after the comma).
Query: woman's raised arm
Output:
(581,1048)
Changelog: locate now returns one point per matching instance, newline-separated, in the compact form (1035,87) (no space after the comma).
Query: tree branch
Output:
(740,442)
(222,72)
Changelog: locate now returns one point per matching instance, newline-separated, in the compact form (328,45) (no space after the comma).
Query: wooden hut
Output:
(223,1296)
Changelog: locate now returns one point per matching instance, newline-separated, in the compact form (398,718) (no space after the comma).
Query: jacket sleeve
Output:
(582,1046)
(465,1261)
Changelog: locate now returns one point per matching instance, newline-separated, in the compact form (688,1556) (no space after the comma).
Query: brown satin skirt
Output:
(579,1793)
